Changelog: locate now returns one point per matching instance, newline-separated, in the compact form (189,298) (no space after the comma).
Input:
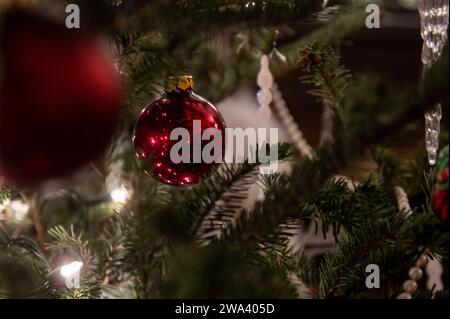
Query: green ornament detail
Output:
(442,172)
(442,160)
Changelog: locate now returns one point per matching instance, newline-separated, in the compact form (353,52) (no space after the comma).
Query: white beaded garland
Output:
(404,295)
(415,273)
(410,286)
(422,261)
(289,123)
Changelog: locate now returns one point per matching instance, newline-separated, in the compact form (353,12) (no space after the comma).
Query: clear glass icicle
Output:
(434,23)
(434,16)
(432,129)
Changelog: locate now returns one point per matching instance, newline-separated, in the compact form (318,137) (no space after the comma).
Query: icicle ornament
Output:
(275,52)
(402,201)
(434,23)
(265,82)
(434,271)
(270,93)
(432,129)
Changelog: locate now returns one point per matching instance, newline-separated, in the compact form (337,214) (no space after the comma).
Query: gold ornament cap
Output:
(179,83)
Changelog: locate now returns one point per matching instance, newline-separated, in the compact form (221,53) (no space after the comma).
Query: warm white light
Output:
(19,209)
(68,271)
(120,195)
(5,204)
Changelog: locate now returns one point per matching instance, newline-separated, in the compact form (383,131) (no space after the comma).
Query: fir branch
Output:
(337,206)
(146,245)
(212,17)
(331,80)
(113,253)
(221,271)
(343,270)
(22,261)
(216,198)
(307,270)
(218,215)
(38,225)
(386,239)
(341,25)
(274,250)
(7,244)
(386,163)
(69,246)
(185,219)
(5,191)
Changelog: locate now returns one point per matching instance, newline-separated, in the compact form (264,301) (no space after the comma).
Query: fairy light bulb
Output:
(19,209)
(120,194)
(69,270)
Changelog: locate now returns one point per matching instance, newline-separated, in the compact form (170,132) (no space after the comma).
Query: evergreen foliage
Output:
(199,241)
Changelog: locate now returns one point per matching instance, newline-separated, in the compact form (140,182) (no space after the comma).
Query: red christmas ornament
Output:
(178,108)
(59,98)
(440,206)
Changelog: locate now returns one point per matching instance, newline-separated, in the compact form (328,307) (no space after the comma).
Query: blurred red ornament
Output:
(59,98)
(442,176)
(178,108)
(440,206)
(440,193)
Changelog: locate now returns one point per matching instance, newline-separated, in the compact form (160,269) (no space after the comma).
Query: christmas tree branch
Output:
(309,176)
(204,15)
(229,184)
